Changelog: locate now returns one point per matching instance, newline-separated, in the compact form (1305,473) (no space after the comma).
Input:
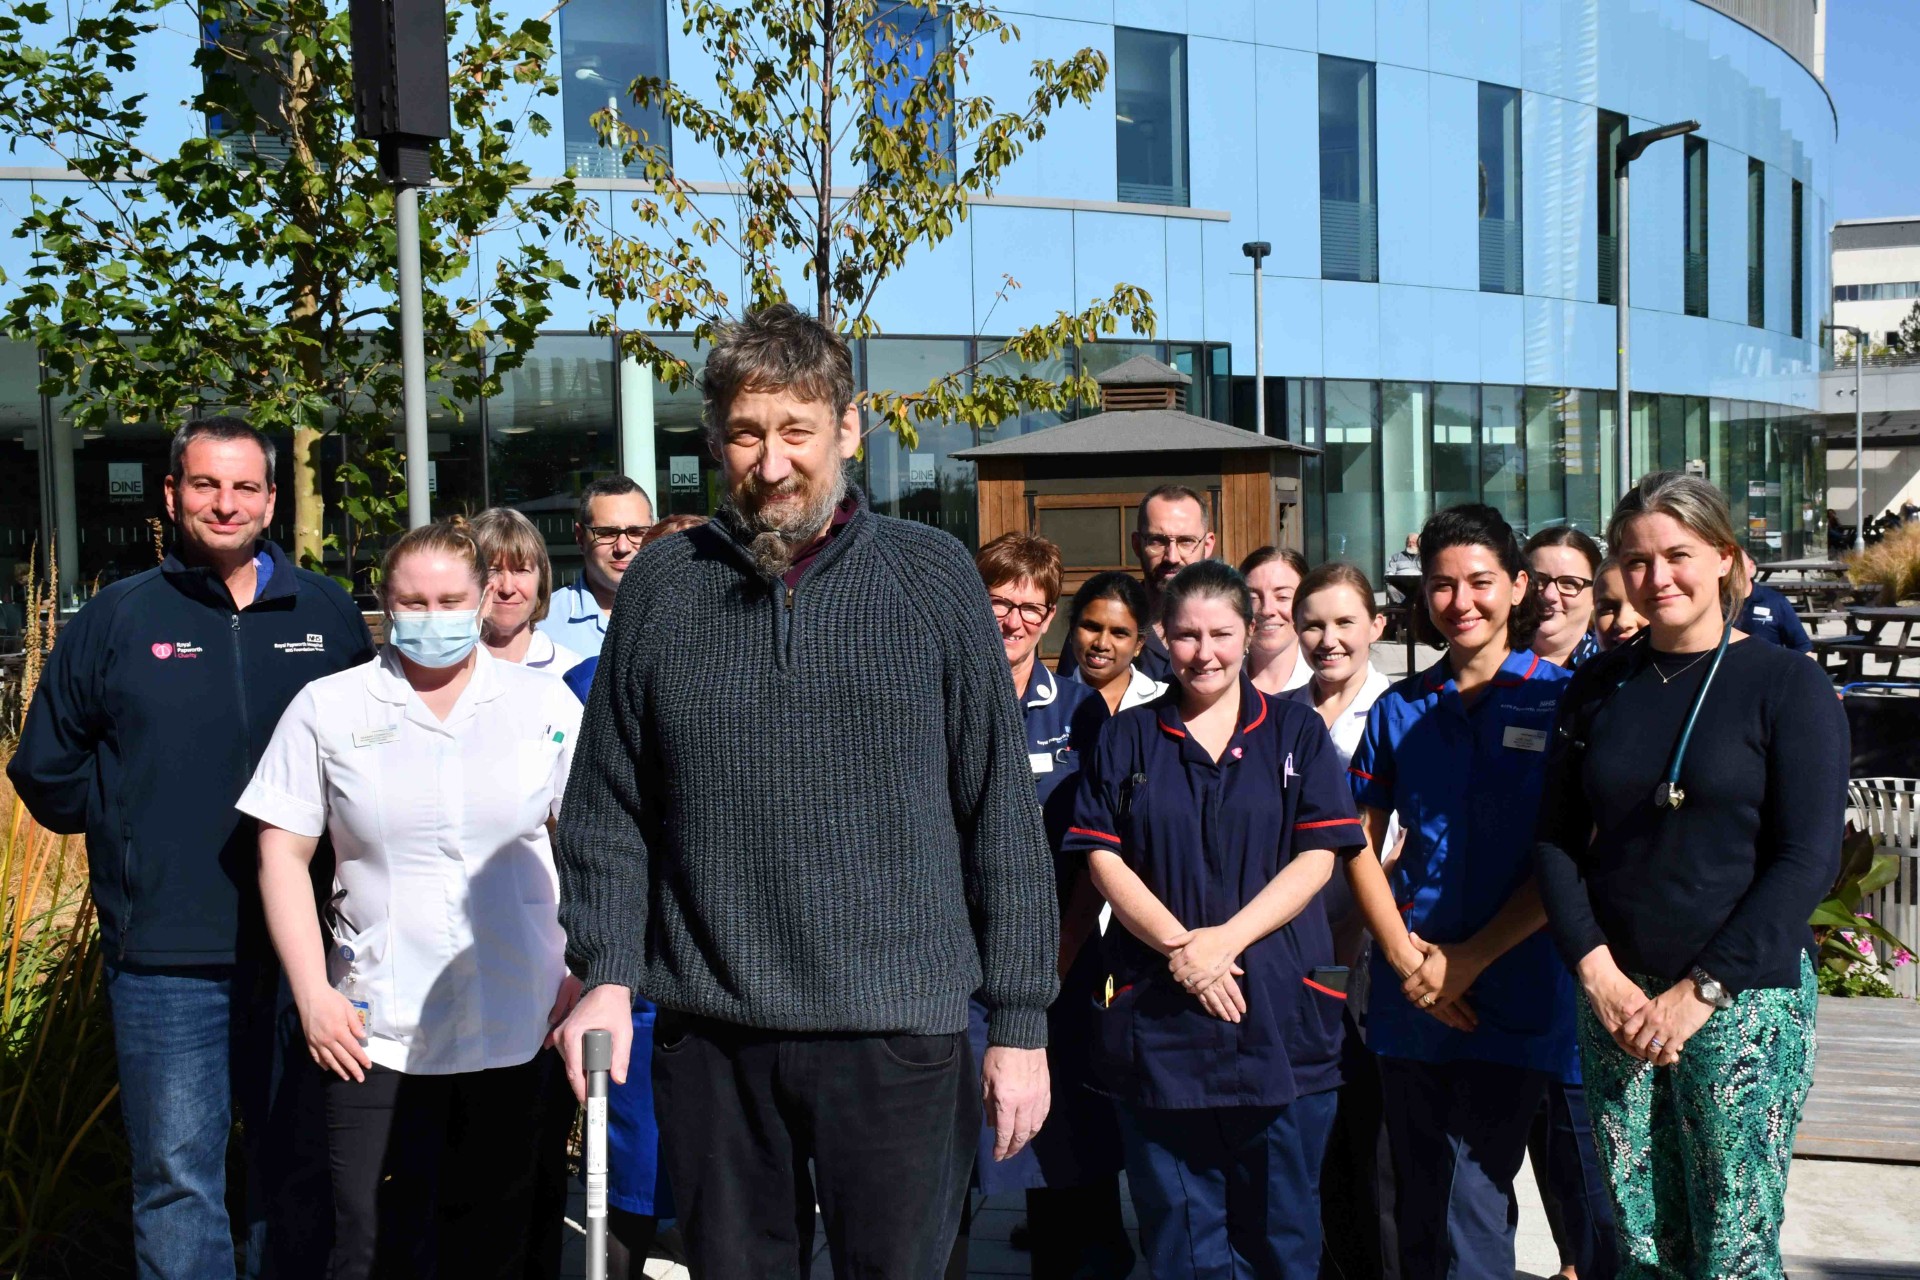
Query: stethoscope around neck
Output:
(1669,794)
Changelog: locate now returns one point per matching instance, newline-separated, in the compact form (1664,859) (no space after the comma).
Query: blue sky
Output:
(1872,50)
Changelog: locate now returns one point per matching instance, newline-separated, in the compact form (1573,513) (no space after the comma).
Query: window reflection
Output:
(924,483)
(1350,467)
(551,430)
(685,479)
(1349,222)
(605,45)
(1503,475)
(1150,116)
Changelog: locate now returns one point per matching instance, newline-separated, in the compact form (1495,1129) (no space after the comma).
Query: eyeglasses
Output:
(605,533)
(1031,614)
(1162,543)
(1566,584)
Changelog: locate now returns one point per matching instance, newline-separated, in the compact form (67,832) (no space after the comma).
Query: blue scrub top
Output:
(574,619)
(1466,783)
(1206,837)
(1063,720)
(1768,615)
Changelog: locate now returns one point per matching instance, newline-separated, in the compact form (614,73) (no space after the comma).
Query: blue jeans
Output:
(192,1043)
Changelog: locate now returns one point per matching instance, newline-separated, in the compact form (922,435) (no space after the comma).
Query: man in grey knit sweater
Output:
(801,820)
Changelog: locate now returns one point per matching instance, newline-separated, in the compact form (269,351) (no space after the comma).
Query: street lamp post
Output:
(401,100)
(1859,435)
(1630,148)
(1258,250)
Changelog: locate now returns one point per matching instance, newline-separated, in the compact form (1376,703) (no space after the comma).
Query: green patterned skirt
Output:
(1696,1154)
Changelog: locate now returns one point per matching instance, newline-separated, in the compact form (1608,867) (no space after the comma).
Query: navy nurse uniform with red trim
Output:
(1466,783)
(1225,1123)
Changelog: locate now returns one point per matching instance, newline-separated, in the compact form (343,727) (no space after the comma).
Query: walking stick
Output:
(596,1052)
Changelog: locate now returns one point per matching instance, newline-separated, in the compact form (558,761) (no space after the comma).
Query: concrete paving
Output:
(1844,1218)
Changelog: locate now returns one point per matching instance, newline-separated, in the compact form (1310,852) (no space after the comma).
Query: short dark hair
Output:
(1565,535)
(221,426)
(1121,588)
(1475,524)
(1204,580)
(605,487)
(1173,492)
(1267,555)
(777,348)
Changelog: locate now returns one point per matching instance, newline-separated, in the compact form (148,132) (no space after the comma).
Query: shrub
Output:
(1892,564)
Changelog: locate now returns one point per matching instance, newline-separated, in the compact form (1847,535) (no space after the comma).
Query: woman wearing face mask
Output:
(1615,620)
(1563,563)
(1105,625)
(1211,818)
(434,771)
(519,590)
(1468,1012)
(1693,822)
(1275,662)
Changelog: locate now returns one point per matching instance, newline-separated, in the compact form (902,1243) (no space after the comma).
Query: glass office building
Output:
(1434,177)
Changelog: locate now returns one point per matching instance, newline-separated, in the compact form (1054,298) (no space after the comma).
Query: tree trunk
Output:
(308,511)
(823,198)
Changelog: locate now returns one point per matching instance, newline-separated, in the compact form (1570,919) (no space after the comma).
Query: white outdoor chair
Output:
(1888,810)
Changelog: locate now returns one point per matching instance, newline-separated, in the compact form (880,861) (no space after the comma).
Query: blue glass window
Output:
(1500,227)
(906,40)
(1150,116)
(605,45)
(1349,218)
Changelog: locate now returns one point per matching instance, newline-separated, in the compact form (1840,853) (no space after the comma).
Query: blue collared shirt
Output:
(574,619)
(1465,783)
(1206,837)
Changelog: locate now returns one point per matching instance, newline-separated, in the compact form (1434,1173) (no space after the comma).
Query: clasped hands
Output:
(1651,1028)
(1435,978)
(1202,962)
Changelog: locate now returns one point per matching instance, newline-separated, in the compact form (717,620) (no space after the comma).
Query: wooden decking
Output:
(1866,1083)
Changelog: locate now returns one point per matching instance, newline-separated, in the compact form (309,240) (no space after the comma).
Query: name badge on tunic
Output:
(376,737)
(1761,611)
(1524,739)
(1040,761)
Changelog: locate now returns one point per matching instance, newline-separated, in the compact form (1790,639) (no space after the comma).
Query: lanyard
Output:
(1669,795)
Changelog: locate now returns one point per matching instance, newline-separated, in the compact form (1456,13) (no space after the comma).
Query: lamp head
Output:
(1634,143)
(1256,249)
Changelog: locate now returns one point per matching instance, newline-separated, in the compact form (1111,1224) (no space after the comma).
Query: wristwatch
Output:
(1710,989)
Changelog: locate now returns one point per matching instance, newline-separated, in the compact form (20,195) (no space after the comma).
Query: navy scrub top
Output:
(1767,615)
(1466,782)
(1206,837)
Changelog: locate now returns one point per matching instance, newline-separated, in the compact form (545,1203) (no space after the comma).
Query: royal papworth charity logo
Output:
(163,650)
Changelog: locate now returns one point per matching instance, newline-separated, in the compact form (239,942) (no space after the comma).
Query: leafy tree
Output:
(253,266)
(853,146)
(1906,339)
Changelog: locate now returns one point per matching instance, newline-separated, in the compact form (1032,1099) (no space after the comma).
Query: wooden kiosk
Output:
(1080,483)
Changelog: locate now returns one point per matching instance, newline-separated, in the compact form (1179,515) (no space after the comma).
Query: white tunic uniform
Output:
(546,654)
(444,884)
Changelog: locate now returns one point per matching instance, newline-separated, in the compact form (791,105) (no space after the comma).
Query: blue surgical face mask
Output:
(435,637)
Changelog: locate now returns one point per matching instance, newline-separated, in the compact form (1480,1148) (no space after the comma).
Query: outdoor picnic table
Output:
(1805,568)
(1891,632)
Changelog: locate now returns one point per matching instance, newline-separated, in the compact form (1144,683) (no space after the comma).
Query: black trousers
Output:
(887,1122)
(434,1175)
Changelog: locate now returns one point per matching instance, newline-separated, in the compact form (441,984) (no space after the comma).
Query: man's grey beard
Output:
(775,542)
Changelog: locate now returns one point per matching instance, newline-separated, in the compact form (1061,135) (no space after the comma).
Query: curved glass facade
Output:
(1434,178)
